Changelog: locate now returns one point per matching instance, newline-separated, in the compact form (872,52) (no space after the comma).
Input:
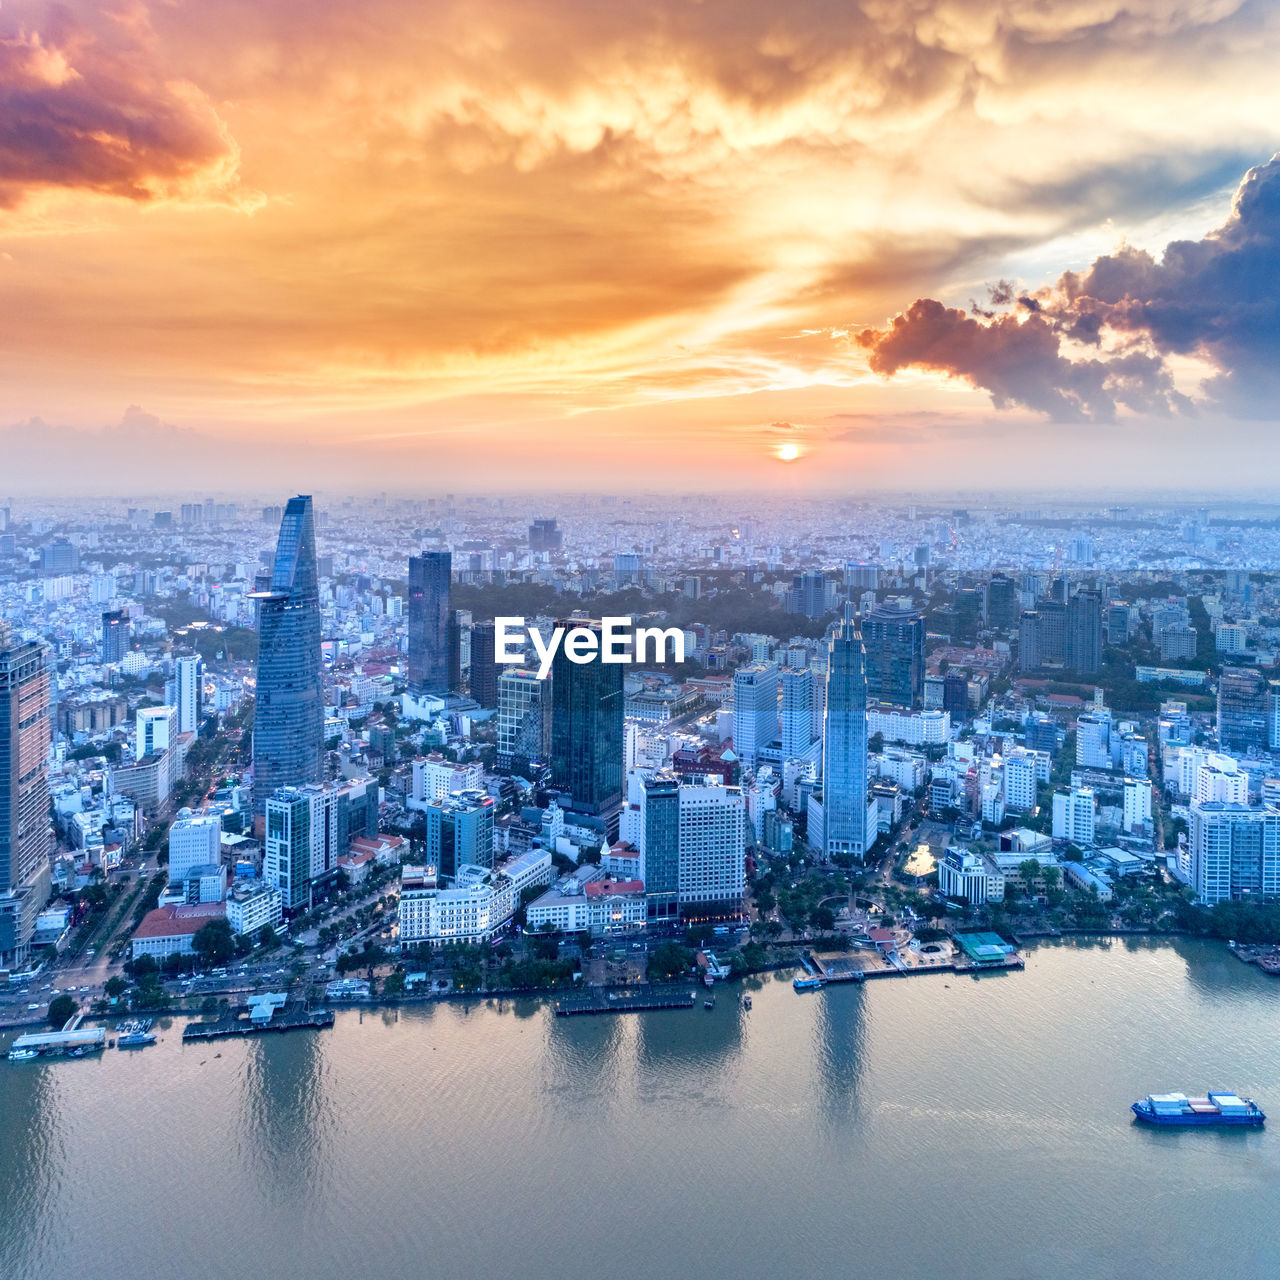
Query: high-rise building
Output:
(60,556)
(894,641)
(459,832)
(115,635)
(796,712)
(524,719)
(24,796)
(309,828)
(660,843)
(1002,603)
(808,594)
(1119,622)
(1084,631)
(188,691)
(955,696)
(1235,851)
(195,841)
(1052,630)
(968,604)
(844,755)
(712,873)
(156,730)
(1029,641)
(544,536)
(587,706)
(430,621)
(288,735)
(485,670)
(755,710)
(1243,721)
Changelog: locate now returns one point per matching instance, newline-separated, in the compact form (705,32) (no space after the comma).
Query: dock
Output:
(291,1017)
(638,999)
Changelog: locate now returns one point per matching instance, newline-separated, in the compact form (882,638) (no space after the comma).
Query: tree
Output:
(267,939)
(115,987)
(824,918)
(60,1009)
(394,985)
(670,960)
(213,942)
(142,967)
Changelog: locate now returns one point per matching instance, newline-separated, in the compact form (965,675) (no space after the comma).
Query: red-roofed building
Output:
(883,938)
(168,931)
(607,888)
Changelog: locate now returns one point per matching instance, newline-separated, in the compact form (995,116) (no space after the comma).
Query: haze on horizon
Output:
(559,245)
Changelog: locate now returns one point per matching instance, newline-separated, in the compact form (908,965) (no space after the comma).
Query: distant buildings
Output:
(1247,710)
(844,757)
(115,636)
(24,796)
(288,735)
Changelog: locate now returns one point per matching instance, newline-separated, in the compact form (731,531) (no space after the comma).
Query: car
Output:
(31,1008)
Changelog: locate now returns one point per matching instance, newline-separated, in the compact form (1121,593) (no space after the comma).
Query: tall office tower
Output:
(1002,603)
(844,745)
(459,832)
(195,841)
(587,703)
(968,612)
(713,834)
(894,642)
(429,619)
(808,594)
(288,735)
(309,828)
(955,696)
(1243,721)
(524,719)
(1235,851)
(660,843)
(1273,715)
(1084,631)
(544,536)
(24,796)
(1052,630)
(796,712)
(459,646)
(1118,622)
(188,691)
(628,570)
(115,635)
(60,556)
(861,576)
(1029,641)
(755,710)
(485,670)
(156,730)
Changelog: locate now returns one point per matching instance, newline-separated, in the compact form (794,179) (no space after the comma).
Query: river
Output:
(933,1126)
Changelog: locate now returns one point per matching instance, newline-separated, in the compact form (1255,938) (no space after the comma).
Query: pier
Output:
(292,1017)
(627,1000)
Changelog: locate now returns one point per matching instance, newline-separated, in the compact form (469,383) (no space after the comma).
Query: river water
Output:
(936,1126)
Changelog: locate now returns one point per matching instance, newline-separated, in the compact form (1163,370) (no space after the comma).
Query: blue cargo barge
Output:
(1213,1108)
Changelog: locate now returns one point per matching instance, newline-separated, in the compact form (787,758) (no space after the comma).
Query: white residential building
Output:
(914,728)
(435,778)
(195,841)
(251,904)
(480,902)
(712,846)
(1137,803)
(1073,816)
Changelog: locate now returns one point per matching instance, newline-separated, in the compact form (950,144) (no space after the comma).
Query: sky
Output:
(428,245)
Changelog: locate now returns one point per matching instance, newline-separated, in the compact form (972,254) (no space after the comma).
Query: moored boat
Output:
(810,983)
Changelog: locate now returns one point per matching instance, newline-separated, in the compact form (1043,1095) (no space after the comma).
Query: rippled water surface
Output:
(933,1126)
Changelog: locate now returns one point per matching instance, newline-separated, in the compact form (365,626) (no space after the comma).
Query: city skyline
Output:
(811,249)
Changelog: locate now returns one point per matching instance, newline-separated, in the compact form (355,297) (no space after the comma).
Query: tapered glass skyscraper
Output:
(844,751)
(430,623)
(288,734)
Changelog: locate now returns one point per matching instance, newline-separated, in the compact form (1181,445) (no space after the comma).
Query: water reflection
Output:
(840,1047)
(32,1156)
(288,1120)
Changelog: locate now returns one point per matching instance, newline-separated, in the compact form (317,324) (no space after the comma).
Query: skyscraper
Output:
(1243,720)
(1002,603)
(660,844)
(894,641)
(288,735)
(797,712)
(485,671)
(1084,631)
(755,710)
(808,594)
(587,703)
(524,714)
(544,536)
(115,635)
(429,622)
(24,796)
(844,744)
(188,681)
(1029,641)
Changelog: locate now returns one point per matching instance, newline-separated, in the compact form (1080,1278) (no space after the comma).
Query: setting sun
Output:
(788,452)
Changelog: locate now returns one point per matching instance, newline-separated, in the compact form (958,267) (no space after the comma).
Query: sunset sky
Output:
(558,243)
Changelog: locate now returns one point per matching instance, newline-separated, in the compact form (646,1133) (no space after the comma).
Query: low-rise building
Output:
(168,931)
(251,904)
(480,902)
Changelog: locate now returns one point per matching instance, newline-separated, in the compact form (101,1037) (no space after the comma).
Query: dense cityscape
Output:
(262,760)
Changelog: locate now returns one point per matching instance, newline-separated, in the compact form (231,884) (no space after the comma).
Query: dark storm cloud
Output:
(1217,298)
